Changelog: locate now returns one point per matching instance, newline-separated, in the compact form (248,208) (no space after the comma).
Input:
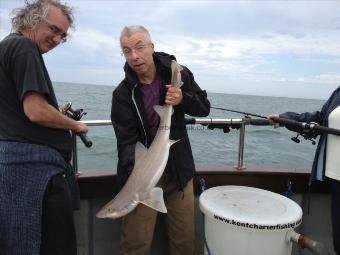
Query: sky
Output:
(273,48)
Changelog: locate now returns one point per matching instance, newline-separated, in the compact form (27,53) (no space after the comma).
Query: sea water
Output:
(264,145)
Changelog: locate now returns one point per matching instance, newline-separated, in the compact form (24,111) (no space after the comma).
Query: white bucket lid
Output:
(250,208)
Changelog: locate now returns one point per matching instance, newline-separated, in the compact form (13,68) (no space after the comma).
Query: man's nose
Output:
(134,54)
(57,39)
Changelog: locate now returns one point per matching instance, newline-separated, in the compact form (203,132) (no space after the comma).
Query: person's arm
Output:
(39,111)
(316,116)
(303,117)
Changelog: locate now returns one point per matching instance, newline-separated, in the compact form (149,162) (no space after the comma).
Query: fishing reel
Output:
(73,114)
(297,140)
(307,133)
(77,114)
(223,126)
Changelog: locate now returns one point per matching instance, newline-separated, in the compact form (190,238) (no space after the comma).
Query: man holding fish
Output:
(148,109)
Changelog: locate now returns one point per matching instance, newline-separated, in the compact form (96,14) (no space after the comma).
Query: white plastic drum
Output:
(241,220)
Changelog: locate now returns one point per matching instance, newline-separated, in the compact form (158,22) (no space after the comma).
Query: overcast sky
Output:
(277,48)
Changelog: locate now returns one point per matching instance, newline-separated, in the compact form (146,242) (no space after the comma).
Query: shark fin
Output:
(140,151)
(159,109)
(154,199)
(171,142)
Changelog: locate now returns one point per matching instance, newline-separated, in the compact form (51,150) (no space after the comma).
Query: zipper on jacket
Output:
(139,115)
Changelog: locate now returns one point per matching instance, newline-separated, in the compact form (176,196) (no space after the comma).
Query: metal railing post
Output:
(75,153)
(240,165)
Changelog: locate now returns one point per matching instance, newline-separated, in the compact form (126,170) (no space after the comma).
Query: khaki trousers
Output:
(138,226)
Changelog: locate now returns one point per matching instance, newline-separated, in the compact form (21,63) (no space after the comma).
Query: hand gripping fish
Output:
(149,166)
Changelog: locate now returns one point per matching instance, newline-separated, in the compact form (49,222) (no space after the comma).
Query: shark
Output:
(148,167)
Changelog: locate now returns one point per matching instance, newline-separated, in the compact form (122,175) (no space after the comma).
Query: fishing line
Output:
(245,113)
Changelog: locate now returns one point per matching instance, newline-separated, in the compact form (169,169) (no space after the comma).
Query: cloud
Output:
(278,42)
(322,78)
(91,39)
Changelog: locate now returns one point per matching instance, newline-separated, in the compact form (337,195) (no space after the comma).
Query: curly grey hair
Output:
(130,30)
(35,12)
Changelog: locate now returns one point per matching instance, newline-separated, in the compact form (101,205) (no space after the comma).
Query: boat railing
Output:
(209,122)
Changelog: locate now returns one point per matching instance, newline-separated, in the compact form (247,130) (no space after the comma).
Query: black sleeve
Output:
(195,101)
(126,130)
(28,73)
(303,117)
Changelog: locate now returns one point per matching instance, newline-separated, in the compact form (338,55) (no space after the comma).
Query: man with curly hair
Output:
(36,210)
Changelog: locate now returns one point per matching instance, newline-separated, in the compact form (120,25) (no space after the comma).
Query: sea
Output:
(264,145)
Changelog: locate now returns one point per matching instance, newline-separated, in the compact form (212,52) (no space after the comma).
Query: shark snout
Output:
(108,214)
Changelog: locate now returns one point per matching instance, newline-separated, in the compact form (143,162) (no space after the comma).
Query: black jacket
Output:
(130,122)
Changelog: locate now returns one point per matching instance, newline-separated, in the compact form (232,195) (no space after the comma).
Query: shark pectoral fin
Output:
(154,199)
(159,109)
(171,142)
(140,151)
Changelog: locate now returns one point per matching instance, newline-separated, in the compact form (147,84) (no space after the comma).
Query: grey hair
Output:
(35,11)
(130,30)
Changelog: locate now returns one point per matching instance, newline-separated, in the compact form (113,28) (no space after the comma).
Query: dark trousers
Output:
(335,195)
(58,233)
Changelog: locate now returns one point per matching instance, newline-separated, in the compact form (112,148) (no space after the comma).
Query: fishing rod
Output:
(308,130)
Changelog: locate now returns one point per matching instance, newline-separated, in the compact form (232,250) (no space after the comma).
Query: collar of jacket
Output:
(163,66)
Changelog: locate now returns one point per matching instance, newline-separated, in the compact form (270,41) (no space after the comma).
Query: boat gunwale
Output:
(100,183)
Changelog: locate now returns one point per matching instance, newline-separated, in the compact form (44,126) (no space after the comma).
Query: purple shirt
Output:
(150,95)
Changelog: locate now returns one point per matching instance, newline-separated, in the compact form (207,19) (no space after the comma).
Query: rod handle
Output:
(85,139)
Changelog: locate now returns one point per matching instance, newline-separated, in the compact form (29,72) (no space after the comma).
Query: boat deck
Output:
(98,236)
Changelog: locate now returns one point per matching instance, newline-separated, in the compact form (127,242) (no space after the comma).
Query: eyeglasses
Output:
(56,31)
(138,49)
